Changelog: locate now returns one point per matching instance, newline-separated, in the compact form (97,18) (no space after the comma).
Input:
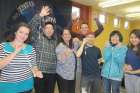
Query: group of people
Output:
(53,57)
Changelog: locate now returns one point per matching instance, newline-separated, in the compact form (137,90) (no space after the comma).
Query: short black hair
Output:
(118,33)
(48,23)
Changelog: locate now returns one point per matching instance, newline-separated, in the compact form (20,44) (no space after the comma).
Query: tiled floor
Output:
(122,90)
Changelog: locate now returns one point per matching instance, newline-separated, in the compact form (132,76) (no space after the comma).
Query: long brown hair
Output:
(137,33)
(22,24)
(70,42)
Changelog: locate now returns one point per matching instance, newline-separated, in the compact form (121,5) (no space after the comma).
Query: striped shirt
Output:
(19,69)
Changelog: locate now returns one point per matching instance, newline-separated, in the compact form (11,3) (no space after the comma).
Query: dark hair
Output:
(48,23)
(54,33)
(137,33)
(116,32)
(62,41)
(21,24)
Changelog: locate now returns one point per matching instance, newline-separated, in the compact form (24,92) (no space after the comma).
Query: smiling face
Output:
(115,39)
(66,35)
(22,34)
(134,40)
(48,30)
(84,29)
(90,39)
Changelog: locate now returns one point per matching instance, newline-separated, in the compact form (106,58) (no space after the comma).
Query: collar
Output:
(88,45)
(8,48)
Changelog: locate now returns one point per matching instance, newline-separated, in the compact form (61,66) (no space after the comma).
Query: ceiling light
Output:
(111,3)
(133,15)
(133,9)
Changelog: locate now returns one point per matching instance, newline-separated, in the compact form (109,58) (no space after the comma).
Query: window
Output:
(75,12)
(102,18)
(116,22)
(126,25)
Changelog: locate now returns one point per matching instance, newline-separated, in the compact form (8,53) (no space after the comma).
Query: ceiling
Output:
(124,10)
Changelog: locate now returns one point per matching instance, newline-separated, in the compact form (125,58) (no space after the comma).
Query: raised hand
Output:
(45,11)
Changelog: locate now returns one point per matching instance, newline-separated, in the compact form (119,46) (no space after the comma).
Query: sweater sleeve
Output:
(100,28)
(107,54)
(1,51)
(33,58)
(35,24)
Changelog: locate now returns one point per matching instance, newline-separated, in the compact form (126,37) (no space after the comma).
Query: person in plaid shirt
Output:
(46,59)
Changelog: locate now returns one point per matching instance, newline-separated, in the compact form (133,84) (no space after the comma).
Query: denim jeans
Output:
(111,85)
(91,85)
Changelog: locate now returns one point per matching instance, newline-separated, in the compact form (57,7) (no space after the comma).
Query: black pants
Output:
(45,84)
(65,86)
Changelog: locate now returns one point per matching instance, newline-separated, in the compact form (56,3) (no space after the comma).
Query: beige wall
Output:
(108,27)
(135,24)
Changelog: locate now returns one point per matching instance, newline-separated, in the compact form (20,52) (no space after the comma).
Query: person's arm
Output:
(133,71)
(7,59)
(77,42)
(37,18)
(107,54)
(77,35)
(100,59)
(127,68)
(100,28)
(36,72)
(80,50)
(36,23)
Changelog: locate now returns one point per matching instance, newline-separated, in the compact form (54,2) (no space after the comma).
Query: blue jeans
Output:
(111,85)
(91,85)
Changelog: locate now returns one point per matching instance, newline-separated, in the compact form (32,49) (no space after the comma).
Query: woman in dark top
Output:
(132,67)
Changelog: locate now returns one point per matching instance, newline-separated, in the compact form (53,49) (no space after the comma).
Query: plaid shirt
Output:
(46,56)
(36,25)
